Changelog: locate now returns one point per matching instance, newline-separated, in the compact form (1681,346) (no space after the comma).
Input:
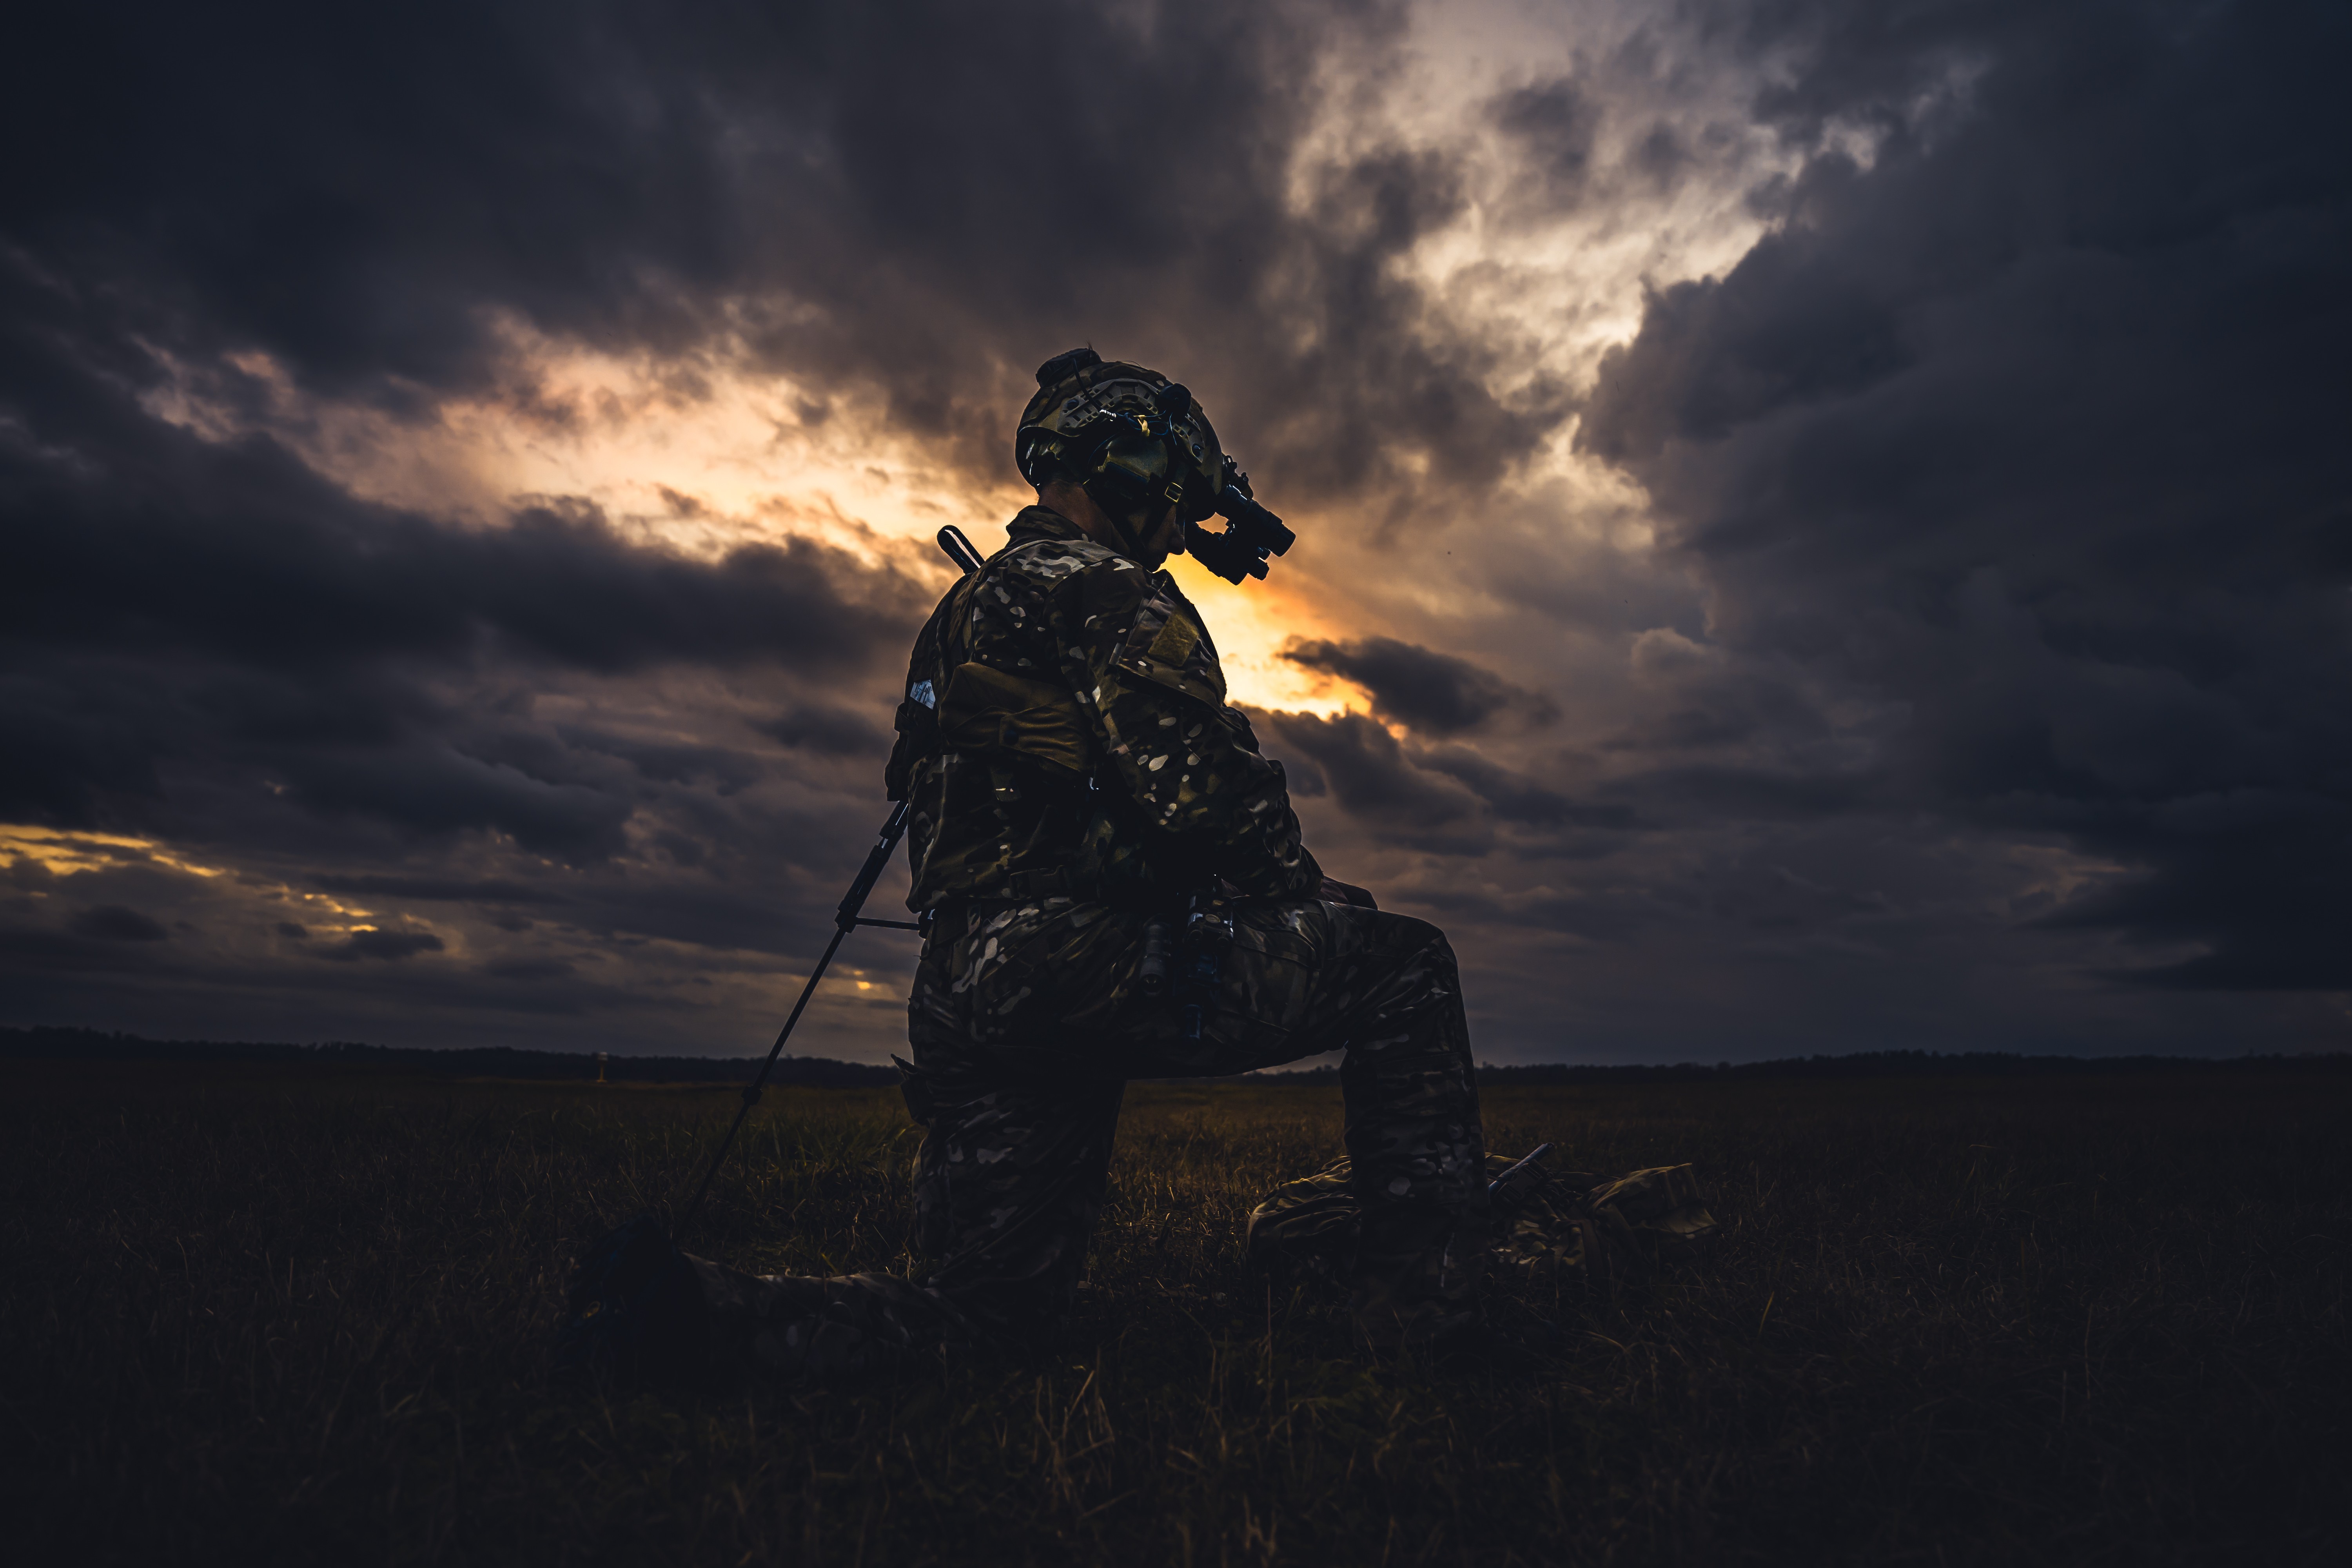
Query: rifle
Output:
(846,919)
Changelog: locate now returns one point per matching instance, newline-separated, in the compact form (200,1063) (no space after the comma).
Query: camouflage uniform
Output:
(1073,771)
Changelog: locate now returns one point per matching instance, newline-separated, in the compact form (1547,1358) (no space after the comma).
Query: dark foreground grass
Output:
(259,1317)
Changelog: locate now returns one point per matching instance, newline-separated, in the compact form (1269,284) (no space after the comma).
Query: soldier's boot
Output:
(1421,1274)
(635,1309)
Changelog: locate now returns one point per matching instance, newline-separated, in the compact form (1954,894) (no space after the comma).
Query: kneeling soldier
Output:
(1117,889)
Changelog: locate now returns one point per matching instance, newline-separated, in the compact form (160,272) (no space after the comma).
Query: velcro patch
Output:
(1176,640)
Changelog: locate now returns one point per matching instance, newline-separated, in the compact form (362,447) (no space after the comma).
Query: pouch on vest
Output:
(987,708)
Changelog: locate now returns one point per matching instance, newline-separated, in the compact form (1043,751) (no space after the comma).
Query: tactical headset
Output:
(1135,441)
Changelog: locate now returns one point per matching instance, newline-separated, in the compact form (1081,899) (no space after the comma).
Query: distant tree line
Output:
(481,1062)
(500,1061)
(1871,1064)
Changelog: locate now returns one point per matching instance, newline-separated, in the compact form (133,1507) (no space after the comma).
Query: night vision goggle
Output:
(1239,549)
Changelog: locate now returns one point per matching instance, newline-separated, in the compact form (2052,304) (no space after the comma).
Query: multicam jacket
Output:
(1065,733)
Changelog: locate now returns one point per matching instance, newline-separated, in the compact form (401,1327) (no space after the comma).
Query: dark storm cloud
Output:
(382,944)
(1369,776)
(433,890)
(1558,124)
(1435,693)
(531,969)
(827,730)
(725,769)
(906,201)
(1515,796)
(2029,436)
(1448,801)
(113,922)
(1752,795)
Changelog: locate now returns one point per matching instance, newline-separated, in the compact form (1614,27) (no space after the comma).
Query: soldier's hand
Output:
(1336,891)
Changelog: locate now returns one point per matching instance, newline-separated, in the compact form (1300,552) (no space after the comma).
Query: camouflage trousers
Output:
(1025,1023)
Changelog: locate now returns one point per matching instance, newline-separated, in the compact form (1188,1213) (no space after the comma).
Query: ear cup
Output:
(1130,474)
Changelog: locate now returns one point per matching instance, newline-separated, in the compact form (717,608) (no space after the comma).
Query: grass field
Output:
(263,1315)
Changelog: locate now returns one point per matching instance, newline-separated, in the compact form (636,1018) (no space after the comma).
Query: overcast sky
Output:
(1823,527)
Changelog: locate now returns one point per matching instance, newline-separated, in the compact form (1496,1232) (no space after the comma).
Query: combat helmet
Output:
(1128,437)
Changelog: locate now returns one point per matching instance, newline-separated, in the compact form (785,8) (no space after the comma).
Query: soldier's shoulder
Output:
(1075,570)
(1055,559)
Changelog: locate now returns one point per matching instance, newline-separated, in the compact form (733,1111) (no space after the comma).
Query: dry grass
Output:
(293,1318)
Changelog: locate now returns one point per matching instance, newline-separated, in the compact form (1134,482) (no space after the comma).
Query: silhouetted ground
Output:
(271,1311)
